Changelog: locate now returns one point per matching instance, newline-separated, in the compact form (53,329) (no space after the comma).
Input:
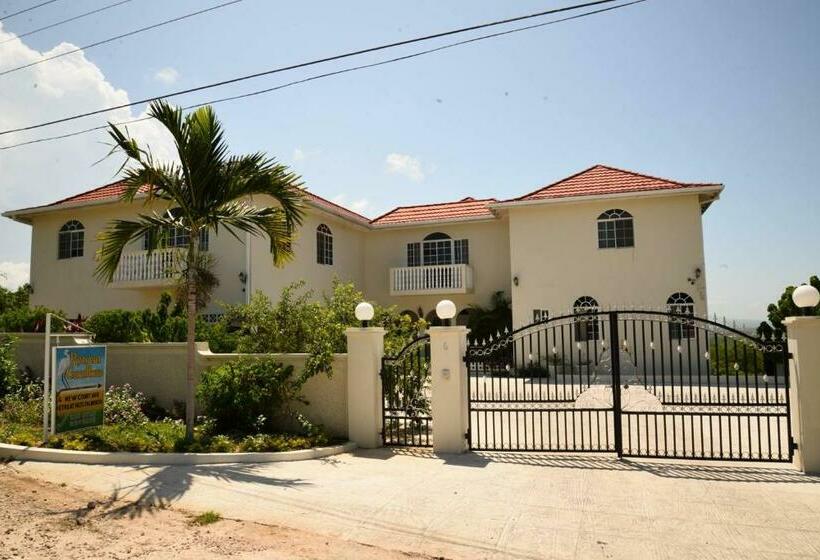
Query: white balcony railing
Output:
(436,279)
(138,267)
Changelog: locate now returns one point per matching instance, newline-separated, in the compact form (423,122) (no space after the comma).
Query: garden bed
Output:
(158,443)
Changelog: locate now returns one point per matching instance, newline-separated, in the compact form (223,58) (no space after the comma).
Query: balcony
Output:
(436,279)
(138,270)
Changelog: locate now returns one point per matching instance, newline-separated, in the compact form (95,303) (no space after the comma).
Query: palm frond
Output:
(119,233)
(269,222)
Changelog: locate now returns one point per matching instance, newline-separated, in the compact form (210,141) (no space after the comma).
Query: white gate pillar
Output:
(365,348)
(804,346)
(449,383)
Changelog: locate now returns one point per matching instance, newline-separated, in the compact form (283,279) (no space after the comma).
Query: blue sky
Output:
(696,90)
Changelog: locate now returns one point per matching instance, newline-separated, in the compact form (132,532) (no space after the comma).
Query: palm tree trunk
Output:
(191,344)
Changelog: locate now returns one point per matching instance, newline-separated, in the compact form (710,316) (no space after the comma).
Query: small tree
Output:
(207,190)
(785,307)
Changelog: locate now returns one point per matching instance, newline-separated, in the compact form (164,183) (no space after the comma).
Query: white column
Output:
(804,345)
(365,348)
(449,380)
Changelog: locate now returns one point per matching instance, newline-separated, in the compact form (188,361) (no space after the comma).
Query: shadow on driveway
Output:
(693,470)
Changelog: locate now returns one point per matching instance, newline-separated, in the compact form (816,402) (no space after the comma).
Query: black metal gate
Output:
(406,393)
(637,383)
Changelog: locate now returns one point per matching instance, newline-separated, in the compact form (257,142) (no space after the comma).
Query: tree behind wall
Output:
(206,190)
(785,307)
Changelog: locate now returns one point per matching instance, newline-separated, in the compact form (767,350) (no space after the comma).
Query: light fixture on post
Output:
(364,313)
(446,310)
(806,297)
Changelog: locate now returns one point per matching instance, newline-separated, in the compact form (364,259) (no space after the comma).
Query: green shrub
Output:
(123,406)
(152,437)
(206,518)
(248,395)
(25,319)
(21,409)
(219,336)
(533,369)
(10,378)
(116,325)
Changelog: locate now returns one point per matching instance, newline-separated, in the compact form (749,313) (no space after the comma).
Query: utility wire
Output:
(329,74)
(27,10)
(305,64)
(110,39)
(57,24)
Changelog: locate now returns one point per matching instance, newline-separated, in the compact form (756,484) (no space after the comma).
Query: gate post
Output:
(615,353)
(804,384)
(365,348)
(448,371)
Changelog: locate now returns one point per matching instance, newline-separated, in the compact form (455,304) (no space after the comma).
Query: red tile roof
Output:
(462,209)
(602,180)
(115,190)
(111,190)
(596,181)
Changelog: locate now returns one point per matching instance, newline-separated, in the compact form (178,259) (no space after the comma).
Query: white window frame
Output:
(613,218)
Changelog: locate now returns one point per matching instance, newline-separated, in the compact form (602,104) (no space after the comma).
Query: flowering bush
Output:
(123,406)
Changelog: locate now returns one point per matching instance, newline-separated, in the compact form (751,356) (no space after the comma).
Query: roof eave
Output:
(423,223)
(713,189)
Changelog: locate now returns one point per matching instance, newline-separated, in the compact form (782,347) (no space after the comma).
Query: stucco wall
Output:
(348,256)
(69,284)
(489,248)
(158,370)
(554,253)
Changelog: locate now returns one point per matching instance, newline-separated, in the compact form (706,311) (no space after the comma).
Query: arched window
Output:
(681,303)
(437,249)
(586,324)
(70,240)
(179,236)
(324,245)
(615,229)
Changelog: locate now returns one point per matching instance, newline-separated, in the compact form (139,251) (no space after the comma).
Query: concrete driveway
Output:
(497,505)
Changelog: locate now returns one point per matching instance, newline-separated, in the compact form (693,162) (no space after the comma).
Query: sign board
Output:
(78,374)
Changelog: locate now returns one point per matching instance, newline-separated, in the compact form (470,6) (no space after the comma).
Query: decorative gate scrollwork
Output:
(637,383)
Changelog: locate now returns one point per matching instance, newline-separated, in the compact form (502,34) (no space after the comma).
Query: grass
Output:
(152,437)
(206,518)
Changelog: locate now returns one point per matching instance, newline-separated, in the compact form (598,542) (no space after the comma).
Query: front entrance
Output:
(406,394)
(636,383)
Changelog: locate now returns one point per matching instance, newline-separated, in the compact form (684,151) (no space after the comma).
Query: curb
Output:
(22,453)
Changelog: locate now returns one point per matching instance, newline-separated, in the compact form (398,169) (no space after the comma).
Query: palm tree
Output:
(207,190)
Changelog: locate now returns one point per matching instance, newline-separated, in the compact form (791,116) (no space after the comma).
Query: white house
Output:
(601,237)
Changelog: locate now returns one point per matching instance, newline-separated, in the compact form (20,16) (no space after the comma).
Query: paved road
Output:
(498,506)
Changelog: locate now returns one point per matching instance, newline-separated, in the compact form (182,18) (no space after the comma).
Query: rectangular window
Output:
(414,254)
(178,237)
(586,328)
(461,251)
(70,244)
(438,252)
(613,233)
(540,315)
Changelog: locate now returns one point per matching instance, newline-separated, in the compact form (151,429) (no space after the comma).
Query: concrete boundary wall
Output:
(158,370)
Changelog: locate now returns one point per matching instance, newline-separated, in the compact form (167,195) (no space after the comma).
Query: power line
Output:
(59,23)
(110,39)
(329,74)
(27,10)
(305,64)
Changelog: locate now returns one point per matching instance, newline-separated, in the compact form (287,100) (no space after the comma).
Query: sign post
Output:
(78,387)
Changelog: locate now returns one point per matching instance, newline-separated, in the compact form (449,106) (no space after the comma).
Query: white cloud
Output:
(13,274)
(41,173)
(167,75)
(359,206)
(299,155)
(404,164)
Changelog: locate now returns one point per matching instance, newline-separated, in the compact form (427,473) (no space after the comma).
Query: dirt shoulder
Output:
(42,520)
